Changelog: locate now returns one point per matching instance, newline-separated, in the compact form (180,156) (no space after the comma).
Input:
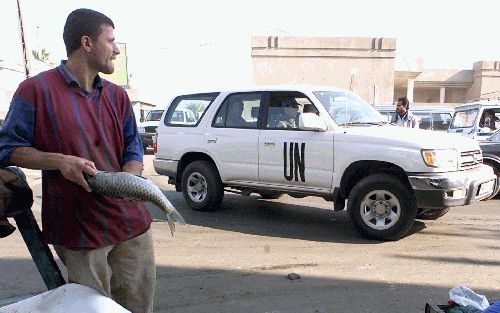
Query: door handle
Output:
(212,140)
(268,143)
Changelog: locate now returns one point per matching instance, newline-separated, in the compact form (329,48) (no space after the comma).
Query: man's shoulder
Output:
(35,82)
(113,87)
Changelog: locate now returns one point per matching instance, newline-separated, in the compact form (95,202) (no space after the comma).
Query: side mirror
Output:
(311,121)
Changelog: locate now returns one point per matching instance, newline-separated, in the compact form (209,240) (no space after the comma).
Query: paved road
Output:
(237,259)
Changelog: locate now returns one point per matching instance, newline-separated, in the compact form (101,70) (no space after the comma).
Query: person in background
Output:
(403,116)
(489,119)
(68,121)
(235,113)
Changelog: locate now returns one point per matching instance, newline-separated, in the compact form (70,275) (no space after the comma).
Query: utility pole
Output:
(23,42)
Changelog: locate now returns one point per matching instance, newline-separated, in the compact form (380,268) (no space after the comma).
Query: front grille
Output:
(150,129)
(470,159)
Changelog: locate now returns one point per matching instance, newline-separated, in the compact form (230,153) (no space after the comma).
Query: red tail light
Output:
(155,145)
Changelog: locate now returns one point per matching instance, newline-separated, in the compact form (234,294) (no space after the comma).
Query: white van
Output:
(469,119)
(147,127)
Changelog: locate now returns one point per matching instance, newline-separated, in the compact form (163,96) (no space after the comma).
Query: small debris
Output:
(293,276)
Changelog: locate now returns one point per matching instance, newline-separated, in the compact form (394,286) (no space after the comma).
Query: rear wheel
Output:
(201,186)
(382,207)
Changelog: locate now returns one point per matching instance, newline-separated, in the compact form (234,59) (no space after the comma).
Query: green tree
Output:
(197,108)
(42,55)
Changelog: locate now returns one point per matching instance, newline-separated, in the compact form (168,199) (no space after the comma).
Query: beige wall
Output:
(486,79)
(358,64)
(426,95)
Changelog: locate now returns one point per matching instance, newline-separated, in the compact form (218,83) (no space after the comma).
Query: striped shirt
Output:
(52,113)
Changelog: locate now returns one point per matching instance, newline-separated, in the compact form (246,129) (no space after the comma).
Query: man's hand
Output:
(133,167)
(72,168)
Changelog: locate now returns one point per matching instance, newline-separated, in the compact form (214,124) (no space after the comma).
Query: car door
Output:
(233,140)
(290,157)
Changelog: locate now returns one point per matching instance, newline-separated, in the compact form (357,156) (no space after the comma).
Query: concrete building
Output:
(364,65)
(368,66)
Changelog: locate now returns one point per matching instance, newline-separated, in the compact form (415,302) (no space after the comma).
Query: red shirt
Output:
(51,113)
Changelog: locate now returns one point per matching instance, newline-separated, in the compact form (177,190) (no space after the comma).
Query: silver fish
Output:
(122,185)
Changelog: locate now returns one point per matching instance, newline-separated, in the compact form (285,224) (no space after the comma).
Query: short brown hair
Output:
(83,22)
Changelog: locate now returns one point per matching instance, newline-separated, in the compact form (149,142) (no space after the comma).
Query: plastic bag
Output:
(465,297)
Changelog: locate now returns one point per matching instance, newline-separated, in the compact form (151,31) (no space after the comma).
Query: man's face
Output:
(104,51)
(400,108)
(291,109)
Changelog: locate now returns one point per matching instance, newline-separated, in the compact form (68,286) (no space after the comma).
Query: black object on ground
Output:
(16,199)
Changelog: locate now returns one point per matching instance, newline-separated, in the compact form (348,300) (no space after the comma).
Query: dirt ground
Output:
(237,259)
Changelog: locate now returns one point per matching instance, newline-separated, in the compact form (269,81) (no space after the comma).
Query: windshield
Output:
(154,115)
(347,107)
(464,119)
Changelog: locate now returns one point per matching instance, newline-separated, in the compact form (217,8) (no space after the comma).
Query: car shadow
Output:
(286,218)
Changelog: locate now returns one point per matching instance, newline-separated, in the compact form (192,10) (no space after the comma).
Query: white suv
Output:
(307,141)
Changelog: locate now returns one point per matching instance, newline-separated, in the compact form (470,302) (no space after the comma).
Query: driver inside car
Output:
(290,116)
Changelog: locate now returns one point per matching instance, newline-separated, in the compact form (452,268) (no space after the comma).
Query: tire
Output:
(382,207)
(432,214)
(202,187)
(270,194)
(496,170)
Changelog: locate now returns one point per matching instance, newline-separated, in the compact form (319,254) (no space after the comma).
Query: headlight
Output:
(441,158)
(141,129)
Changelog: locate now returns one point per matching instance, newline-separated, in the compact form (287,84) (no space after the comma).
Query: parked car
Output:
(147,127)
(429,117)
(468,119)
(335,145)
(491,154)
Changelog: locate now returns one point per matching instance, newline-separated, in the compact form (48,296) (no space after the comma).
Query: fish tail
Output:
(171,224)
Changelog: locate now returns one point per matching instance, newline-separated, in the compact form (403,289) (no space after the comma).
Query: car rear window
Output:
(187,110)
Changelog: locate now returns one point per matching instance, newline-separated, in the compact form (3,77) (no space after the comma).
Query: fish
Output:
(123,185)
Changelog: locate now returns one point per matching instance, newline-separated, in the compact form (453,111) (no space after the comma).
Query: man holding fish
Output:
(69,122)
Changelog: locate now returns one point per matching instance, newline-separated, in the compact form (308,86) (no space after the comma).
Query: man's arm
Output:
(71,167)
(133,167)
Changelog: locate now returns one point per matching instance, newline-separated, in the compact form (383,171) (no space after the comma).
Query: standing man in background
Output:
(403,116)
(68,121)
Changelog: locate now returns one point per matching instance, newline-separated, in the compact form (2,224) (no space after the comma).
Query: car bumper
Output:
(165,167)
(453,189)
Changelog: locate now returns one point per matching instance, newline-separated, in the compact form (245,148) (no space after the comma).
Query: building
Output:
(368,66)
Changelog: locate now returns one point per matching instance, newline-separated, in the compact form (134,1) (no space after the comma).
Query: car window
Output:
(154,115)
(464,119)
(239,110)
(424,120)
(285,108)
(348,108)
(187,110)
(441,121)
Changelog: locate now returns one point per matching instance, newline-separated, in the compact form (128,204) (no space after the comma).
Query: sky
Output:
(179,46)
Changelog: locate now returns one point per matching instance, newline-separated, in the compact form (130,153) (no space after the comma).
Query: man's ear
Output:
(86,43)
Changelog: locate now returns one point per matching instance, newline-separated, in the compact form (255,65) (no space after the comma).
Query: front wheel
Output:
(201,186)
(382,207)
(496,170)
